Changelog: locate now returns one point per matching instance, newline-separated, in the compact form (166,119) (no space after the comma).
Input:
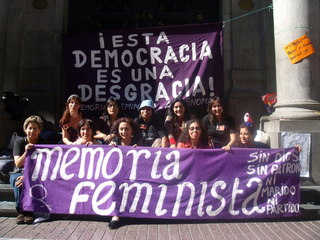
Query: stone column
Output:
(298,85)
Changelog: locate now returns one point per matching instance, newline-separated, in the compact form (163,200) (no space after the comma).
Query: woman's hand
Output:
(298,147)
(164,142)
(105,137)
(211,144)
(28,147)
(19,181)
(66,126)
(79,141)
(66,137)
(19,160)
(76,142)
(226,148)
(108,138)
(233,139)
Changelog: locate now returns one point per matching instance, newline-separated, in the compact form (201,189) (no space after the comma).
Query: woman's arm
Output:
(168,126)
(172,141)
(233,139)
(105,137)
(164,142)
(65,137)
(19,160)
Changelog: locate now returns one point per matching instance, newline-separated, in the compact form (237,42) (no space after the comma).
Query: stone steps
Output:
(310,201)
(310,195)
(6,193)
(8,209)
(7,203)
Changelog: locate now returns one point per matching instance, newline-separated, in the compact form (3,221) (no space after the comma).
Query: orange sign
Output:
(299,49)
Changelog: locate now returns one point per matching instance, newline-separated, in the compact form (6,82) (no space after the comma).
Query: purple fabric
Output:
(173,183)
(152,63)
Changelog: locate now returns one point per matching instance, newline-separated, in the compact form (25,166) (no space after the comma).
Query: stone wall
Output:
(249,59)
(30,57)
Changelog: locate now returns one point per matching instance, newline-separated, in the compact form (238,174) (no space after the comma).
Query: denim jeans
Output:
(16,190)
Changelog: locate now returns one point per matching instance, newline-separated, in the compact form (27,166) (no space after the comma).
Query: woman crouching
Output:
(126,134)
(193,136)
(86,132)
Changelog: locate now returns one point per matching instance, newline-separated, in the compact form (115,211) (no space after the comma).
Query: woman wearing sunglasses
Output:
(193,136)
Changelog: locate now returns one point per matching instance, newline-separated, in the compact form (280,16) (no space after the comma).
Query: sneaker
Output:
(113,224)
(41,217)
(28,219)
(20,219)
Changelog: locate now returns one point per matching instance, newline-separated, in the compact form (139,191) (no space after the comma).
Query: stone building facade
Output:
(30,49)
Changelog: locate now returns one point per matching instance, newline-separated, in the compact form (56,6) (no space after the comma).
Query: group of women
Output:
(179,130)
(216,129)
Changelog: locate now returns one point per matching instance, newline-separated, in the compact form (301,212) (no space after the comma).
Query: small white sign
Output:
(289,139)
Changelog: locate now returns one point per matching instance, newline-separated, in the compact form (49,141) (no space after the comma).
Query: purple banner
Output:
(162,182)
(152,63)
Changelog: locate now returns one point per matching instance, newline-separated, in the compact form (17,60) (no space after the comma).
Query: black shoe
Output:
(113,224)
(28,219)
(20,219)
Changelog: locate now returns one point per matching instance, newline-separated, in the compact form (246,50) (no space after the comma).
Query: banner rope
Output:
(270,7)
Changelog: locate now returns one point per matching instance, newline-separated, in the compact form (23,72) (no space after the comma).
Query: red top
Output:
(189,145)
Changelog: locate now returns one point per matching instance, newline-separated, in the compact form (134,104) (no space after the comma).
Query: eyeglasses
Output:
(194,128)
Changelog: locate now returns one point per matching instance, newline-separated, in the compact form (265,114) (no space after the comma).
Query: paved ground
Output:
(65,228)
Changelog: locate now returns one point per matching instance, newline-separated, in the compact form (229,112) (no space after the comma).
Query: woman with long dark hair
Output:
(70,119)
(193,136)
(112,112)
(175,121)
(220,126)
(125,134)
